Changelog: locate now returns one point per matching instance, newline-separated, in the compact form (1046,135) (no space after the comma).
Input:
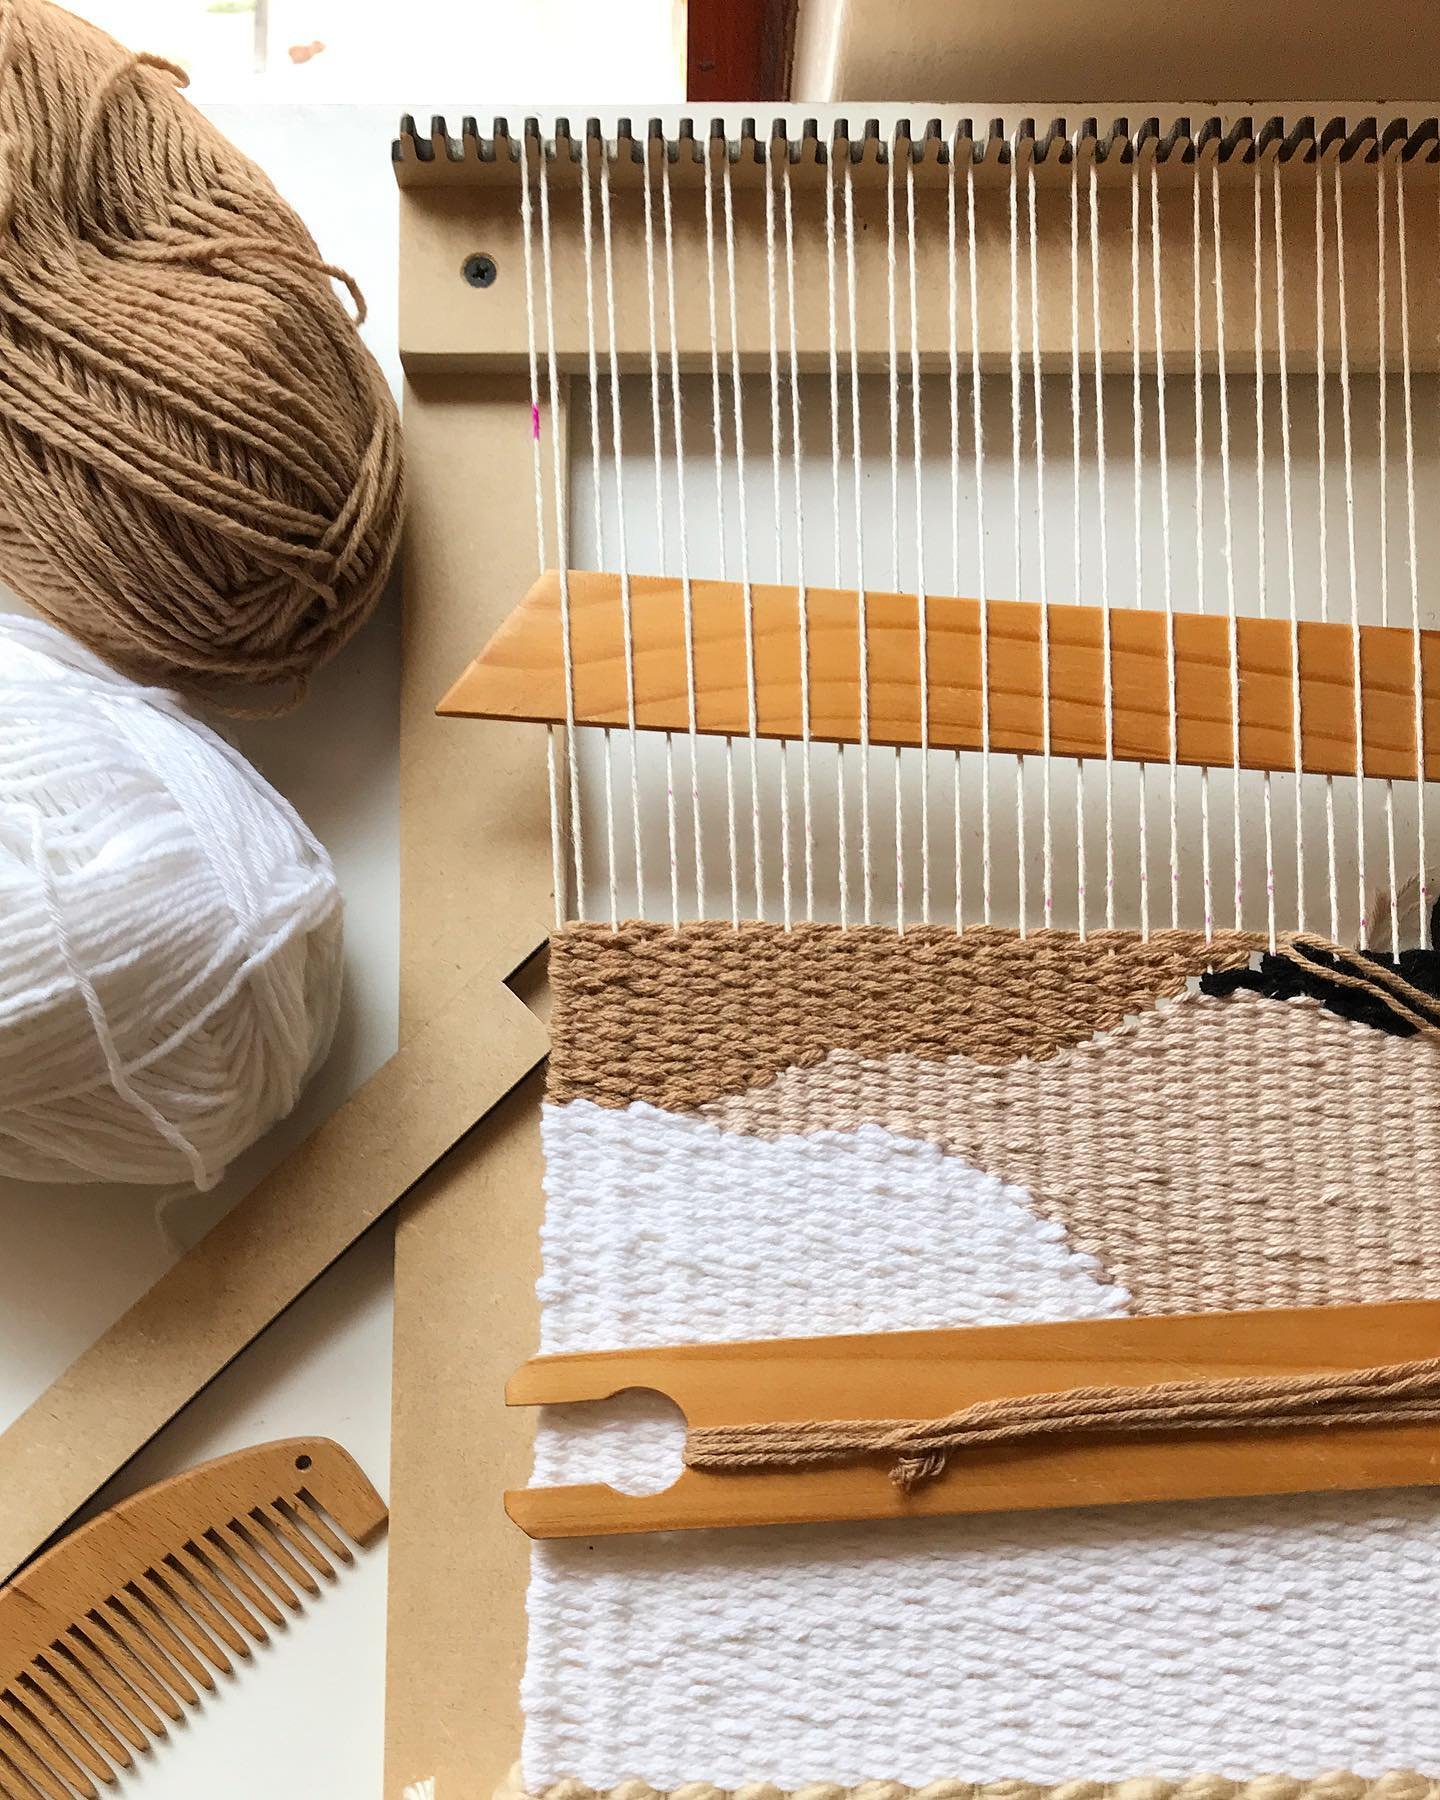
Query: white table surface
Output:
(306,1716)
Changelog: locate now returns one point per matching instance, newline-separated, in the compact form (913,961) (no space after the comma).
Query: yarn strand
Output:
(1396,1393)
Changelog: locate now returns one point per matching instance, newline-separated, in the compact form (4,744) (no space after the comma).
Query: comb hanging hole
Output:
(304,1464)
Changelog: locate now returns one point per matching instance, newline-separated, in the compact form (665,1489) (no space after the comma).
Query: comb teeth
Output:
(108,1639)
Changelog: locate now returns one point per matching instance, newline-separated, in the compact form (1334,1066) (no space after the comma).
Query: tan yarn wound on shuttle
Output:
(1393,1394)
(679,1018)
(1395,1784)
(200,470)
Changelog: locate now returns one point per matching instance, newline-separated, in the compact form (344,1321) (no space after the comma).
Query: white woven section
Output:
(1233,1638)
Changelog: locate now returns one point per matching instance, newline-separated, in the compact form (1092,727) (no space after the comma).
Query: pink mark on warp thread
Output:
(535,420)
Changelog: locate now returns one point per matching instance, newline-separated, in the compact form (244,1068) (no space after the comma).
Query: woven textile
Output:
(1211,1154)
(1162,1150)
(682,1017)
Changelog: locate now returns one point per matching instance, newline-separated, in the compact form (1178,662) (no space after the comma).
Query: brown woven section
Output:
(683,1017)
(1216,1155)
(1396,1784)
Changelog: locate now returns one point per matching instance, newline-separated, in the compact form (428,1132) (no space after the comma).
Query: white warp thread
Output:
(1229,1637)
(170,963)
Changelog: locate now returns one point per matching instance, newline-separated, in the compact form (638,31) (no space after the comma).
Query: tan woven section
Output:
(1213,1155)
(680,1018)
(1397,1784)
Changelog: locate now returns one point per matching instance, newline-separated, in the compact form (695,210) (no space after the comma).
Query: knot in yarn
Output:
(170,958)
(200,472)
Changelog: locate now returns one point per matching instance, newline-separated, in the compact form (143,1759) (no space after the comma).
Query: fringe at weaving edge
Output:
(1396,1784)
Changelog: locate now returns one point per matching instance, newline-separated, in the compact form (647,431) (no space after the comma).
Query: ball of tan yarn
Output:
(200,471)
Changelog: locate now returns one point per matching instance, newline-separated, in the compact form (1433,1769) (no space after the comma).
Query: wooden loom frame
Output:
(476,863)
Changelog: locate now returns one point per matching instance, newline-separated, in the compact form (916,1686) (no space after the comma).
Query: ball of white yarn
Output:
(170,931)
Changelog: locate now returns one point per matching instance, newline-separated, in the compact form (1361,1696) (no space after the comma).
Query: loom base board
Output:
(475,879)
(463,1319)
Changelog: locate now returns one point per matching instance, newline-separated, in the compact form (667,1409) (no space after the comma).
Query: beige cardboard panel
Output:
(452,326)
(261,1256)
(475,888)
(474,816)
(467,1257)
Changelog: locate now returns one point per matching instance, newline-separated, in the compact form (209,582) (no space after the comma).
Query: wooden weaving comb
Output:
(119,1627)
(927,1374)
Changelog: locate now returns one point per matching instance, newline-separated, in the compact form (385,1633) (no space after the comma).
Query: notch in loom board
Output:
(520,675)
(926,1374)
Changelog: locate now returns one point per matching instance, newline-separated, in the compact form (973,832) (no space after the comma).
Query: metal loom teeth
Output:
(1271,133)
(503,148)
(685,136)
(1300,139)
(1396,132)
(1147,132)
(409,143)
(1426,136)
(1232,138)
(1238,141)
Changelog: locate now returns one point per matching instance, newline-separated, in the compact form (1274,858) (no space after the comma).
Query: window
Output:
(473,51)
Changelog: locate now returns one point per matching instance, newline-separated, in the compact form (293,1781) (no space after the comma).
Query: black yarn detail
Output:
(1279,978)
(1301,971)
